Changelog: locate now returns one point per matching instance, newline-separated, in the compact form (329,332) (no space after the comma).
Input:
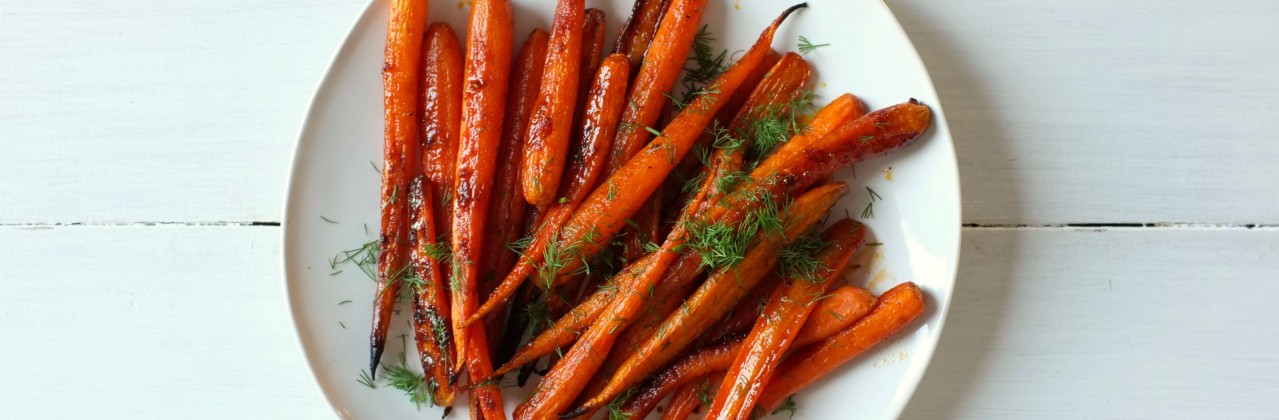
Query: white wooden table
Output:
(1119,160)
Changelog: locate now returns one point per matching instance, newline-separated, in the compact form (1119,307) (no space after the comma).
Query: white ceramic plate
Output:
(917,219)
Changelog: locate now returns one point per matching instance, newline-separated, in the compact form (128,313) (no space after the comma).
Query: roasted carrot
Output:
(506,214)
(689,398)
(634,38)
(781,320)
(593,26)
(568,327)
(431,304)
(441,120)
(686,323)
(663,62)
(488,65)
(807,159)
(400,82)
(546,144)
(895,308)
(833,314)
(743,316)
(606,209)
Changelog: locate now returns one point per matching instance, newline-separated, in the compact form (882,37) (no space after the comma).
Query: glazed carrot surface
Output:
(488,65)
(549,128)
(895,308)
(400,83)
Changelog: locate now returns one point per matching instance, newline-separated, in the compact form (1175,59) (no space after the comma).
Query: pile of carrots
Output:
(673,249)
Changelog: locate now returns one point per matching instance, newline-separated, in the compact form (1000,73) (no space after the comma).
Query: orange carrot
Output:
(488,65)
(663,62)
(896,308)
(607,208)
(787,311)
(568,327)
(441,120)
(400,81)
(431,305)
(506,213)
(842,308)
(711,299)
(593,26)
(689,398)
(743,316)
(638,32)
(546,144)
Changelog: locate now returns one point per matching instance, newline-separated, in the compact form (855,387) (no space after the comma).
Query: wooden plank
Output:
(1102,111)
(158,111)
(1085,111)
(1126,323)
(149,322)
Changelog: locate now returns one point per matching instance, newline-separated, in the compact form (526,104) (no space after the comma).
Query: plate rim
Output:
(940,126)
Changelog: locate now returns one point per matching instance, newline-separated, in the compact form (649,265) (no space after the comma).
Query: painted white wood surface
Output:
(183,113)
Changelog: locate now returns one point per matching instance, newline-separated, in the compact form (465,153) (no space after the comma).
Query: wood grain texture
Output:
(1097,111)
(150,322)
(1118,323)
(156,111)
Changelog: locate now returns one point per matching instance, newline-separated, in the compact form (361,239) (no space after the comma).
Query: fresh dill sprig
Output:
(788,406)
(721,245)
(704,394)
(615,407)
(705,63)
(806,46)
(731,180)
(869,211)
(797,259)
(520,244)
(364,257)
(416,387)
(539,316)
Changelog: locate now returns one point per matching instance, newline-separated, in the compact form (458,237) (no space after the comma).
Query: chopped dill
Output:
(375,168)
(869,211)
(343,325)
(520,244)
(416,387)
(344,302)
(806,46)
(365,380)
(364,257)
(788,406)
(797,259)
(327,219)
(653,131)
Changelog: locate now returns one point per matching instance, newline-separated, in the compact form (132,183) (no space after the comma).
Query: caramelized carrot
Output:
(896,308)
(743,316)
(400,82)
(506,212)
(787,311)
(593,26)
(719,292)
(689,398)
(638,32)
(441,120)
(568,327)
(488,65)
(546,144)
(842,308)
(606,209)
(431,304)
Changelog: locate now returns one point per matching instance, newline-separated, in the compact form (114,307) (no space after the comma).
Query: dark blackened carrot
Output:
(844,306)
(895,308)
(780,322)
(431,304)
(638,32)
(607,208)
(551,124)
(400,82)
(662,64)
(488,66)
(593,26)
